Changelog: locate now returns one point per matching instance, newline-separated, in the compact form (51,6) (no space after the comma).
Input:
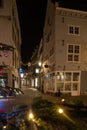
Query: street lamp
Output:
(39,63)
(21,75)
(4,127)
(31,116)
(37,70)
(60,110)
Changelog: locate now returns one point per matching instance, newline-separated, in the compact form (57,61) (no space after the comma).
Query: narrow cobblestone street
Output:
(7,105)
(30,94)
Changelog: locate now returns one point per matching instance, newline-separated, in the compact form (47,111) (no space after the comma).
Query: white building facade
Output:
(10,43)
(65,50)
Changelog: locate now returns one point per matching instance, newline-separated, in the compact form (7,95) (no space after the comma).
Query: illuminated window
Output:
(70,81)
(60,76)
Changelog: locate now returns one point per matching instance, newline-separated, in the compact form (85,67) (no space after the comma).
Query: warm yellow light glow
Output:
(4,127)
(39,63)
(31,116)
(60,110)
(63,100)
(29,64)
(68,118)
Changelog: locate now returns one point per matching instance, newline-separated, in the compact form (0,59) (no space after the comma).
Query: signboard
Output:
(20,70)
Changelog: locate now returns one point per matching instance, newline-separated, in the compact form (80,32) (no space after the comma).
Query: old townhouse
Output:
(64,54)
(10,43)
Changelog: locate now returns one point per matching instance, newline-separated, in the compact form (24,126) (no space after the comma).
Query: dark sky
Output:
(31,18)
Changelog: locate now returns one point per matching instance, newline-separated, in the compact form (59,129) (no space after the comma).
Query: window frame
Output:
(73,30)
(73,53)
(73,85)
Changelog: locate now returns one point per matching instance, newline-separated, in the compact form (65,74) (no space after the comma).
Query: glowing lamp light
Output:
(60,110)
(21,75)
(4,127)
(39,63)
(63,100)
(31,116)
(37,70)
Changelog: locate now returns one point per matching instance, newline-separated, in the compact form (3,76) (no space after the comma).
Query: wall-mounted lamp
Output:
(21,75)
(37,70)
(39,63)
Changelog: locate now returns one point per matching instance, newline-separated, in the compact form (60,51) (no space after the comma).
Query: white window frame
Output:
(73,31)
(71,81)
(73,54)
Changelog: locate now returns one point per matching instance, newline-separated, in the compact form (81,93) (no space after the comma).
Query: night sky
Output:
(31,18)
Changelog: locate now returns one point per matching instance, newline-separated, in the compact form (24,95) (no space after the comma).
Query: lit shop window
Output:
(68,81)
(60,76)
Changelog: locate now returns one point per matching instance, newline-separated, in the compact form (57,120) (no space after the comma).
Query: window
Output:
(75,76)
(62,19)
(73,53)
(47,38)
(75,87)
(60,76)
(68,82)
(60,86)
(68,76)
(68,87)
(71,30)
(74,30)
